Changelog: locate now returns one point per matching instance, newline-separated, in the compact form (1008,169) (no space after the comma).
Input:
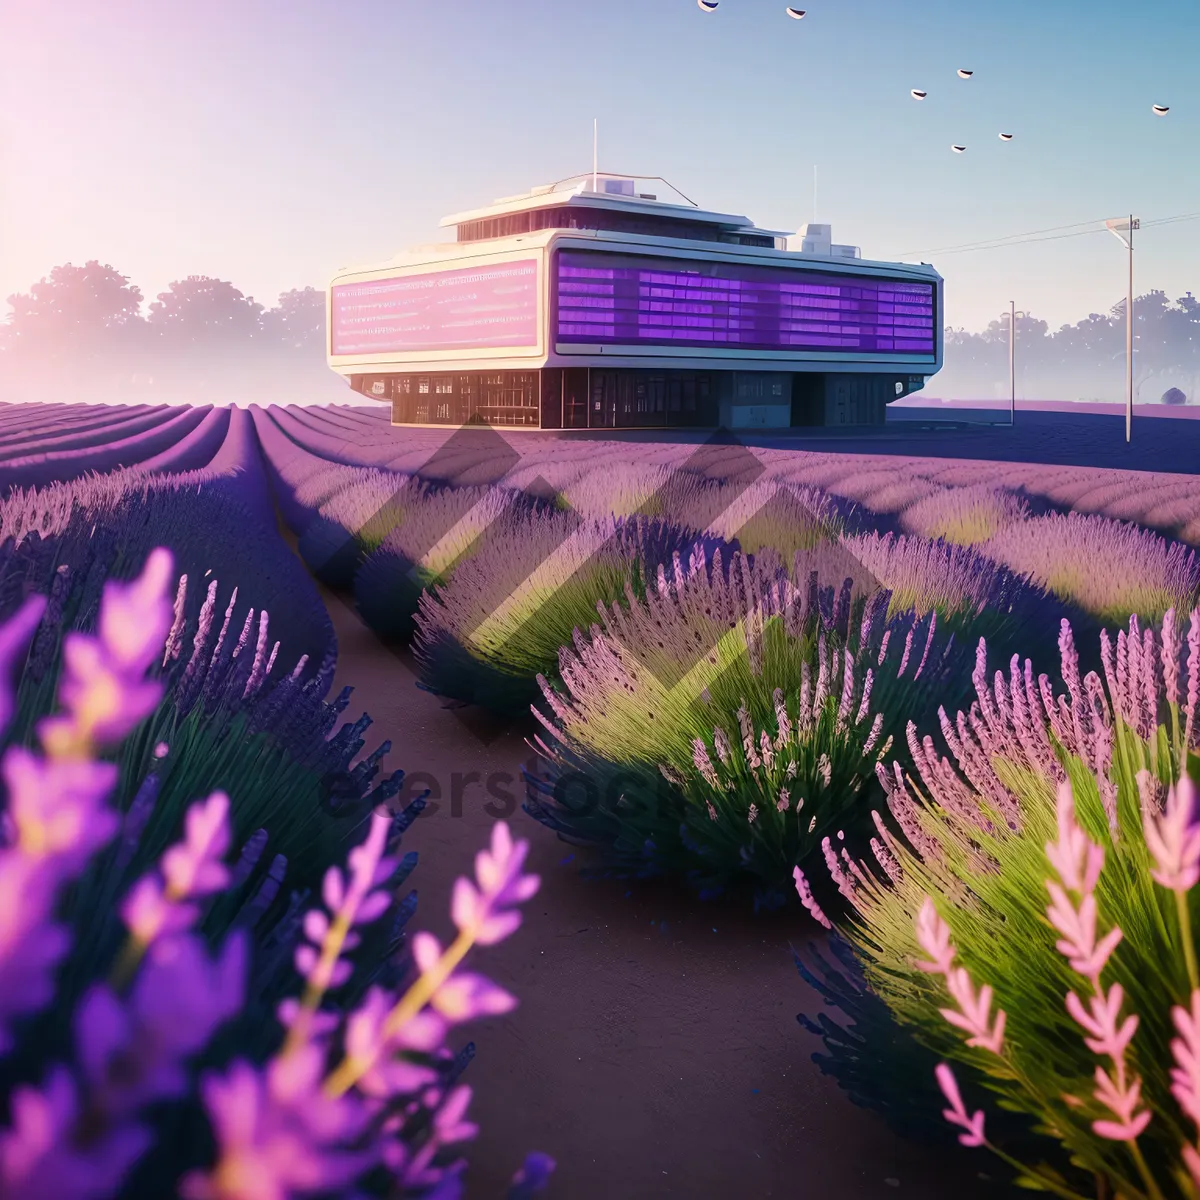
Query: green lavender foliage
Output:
(711,729)
(500,621)
(433,536)
(975,840)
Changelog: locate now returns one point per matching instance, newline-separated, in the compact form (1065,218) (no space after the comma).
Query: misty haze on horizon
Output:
(88,334)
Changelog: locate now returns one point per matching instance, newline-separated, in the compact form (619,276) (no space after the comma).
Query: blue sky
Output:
(269,144)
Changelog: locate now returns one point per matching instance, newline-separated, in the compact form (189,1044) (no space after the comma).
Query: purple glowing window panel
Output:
(613,299)
(467,308)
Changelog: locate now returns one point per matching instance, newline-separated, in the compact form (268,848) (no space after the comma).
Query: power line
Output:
(1025,239)
(1030,233)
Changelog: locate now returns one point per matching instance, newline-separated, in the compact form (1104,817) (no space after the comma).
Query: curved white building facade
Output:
(602,302)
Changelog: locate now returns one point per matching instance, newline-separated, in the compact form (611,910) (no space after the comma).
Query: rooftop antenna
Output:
(814,192)
(595,153)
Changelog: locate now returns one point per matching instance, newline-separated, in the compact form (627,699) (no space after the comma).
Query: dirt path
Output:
(655,1051)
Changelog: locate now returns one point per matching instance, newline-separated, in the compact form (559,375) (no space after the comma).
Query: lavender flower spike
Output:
(351,903)
(484,913)
(136,617)
(103,689)
(190,869)
(807,899)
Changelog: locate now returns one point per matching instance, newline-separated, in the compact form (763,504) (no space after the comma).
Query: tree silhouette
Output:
(297,322)
(76,312)
(204,313)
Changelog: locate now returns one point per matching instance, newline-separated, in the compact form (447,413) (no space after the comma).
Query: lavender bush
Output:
(973,595)
(353,522)
(964,516)
(437,533)
(353,1098)
(500,621)
(726,726)
(1108,568)
(1036,924)
(104,529)
(769,517)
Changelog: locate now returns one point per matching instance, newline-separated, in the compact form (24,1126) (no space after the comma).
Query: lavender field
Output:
(822,810)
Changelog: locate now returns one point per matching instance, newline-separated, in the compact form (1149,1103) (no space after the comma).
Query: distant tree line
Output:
(1084,361)
(200,340)
(84,328)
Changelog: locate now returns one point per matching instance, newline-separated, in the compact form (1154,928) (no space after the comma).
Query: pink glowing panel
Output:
(468,308)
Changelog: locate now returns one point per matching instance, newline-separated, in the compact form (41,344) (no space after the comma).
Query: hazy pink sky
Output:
(270,143)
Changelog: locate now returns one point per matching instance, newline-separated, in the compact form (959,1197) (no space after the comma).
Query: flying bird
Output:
(958,149)
(707,5)
(1160,110)
(1006,137)
(918,95)
(795,13)
(964,74)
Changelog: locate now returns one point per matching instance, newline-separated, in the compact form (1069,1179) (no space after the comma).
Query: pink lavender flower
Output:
(1185,1049)
(973,1015)
(135,617)
(464,996)
(807,899)
(1121,1098)
(957,1113)
(190,869)
(485,910)
(1173,839)
(37,1160)
(1101,1018)
(58,807)
(277,1134)
(350,901)
(390,1074)
(1079,862)
(933,936)
(103,687)
(1079,943)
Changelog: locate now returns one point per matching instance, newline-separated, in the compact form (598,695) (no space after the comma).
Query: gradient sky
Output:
(269,143)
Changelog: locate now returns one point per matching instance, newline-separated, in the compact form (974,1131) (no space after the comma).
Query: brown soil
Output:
(655,1051)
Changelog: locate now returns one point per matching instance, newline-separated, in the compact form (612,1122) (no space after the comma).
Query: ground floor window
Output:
(498,398)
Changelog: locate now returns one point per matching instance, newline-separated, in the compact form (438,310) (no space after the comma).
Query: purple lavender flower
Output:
(134,1053)
(37,1160)
(486,910)
(1107,567)
(277,1133)
(190,869)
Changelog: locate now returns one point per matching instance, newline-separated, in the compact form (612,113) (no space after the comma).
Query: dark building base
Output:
(631,398)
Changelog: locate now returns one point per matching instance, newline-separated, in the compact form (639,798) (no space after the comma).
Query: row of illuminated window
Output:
(594,311)
(884,341)
(648,326)
(577,277)
(749,293)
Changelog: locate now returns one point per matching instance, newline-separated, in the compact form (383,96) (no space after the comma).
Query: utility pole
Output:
(1123,228)
(1012,360)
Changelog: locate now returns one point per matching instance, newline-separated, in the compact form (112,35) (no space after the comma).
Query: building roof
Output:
(628,193)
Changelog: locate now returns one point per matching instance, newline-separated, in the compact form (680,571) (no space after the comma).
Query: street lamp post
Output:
(1012,315)
(1122,228)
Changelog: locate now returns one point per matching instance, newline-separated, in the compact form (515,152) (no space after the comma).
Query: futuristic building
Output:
(613,301)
